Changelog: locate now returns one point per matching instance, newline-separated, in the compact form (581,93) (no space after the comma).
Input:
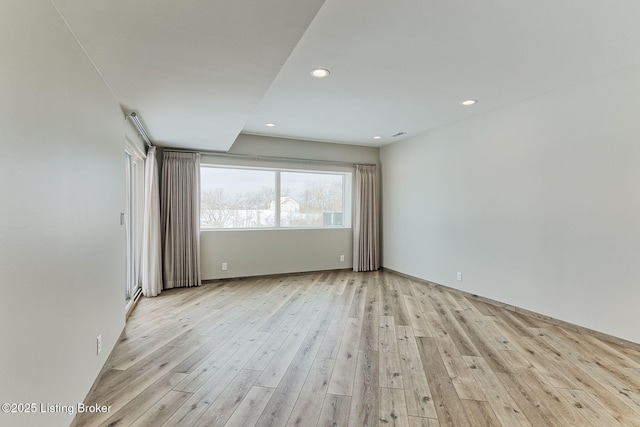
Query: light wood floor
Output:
(356,349)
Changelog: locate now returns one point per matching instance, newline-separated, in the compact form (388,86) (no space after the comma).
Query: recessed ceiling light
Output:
(269,125)
(377,137)
(469,102)
(320,72)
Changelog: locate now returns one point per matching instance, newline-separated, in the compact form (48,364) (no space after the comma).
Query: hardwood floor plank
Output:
(345,367)
(321,302)
(418,321)
(349,291)
(451,326)
(390,374)
(335,411)
(482,307)
(223,407)
(631,353)
(205,370)
(191,336)
(485,324)
(359,300)
(537,413)
(461,377)
(246,293)
(393,408)
(357,349)
(392,300)
(606,357)
(505,408)
(162,410)
(215,385)
(416,387)
(290,306)
(623,413)
(507,317)
(197,304)
(142,402)
(423,422)
(601,374)
(276,369)
(550,398)
(447,403)
(307,409)
(402,284)
(528,321)
(433,327)
(114,381)
(482,344)
(220,333)
(279,408)
(513,356)
(364,404)
(592,410)
(479,413)
(369,336)
(133,382)
(131,351)
(282,291)
(544,359)
(333,337)
(455,302)
(421,289)
(266,353)
(251,407)
(340,284)
(327,313)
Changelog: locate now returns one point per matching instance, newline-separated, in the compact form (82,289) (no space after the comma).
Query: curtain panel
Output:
(181,219)
(151,256)
(366,246)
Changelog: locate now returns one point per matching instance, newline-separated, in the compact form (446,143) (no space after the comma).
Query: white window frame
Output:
(347,185)
(134,221)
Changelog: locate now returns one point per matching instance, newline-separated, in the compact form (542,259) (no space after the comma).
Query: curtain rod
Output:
(270,158)
(138,124)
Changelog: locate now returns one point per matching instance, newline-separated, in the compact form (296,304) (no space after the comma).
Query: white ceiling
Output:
(200,72)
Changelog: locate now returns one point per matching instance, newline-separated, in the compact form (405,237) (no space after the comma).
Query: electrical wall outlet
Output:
(99,344)
(341,258)
(224,266)
(459,276)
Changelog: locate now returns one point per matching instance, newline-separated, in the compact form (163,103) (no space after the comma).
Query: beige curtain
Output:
(151,257)
(366,246)
(181,219)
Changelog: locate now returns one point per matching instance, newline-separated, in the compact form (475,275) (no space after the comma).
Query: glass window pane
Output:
(311,200)
(237,198)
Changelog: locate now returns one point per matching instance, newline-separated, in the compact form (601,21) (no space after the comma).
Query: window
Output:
(311,199)
(246,198)
(237,198)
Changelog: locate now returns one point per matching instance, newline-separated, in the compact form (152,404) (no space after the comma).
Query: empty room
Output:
(319,213)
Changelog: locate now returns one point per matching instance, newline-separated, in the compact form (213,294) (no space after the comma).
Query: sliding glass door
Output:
(134,168)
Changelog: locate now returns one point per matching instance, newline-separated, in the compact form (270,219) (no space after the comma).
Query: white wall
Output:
(61,191)
(537,204)
(259,252)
